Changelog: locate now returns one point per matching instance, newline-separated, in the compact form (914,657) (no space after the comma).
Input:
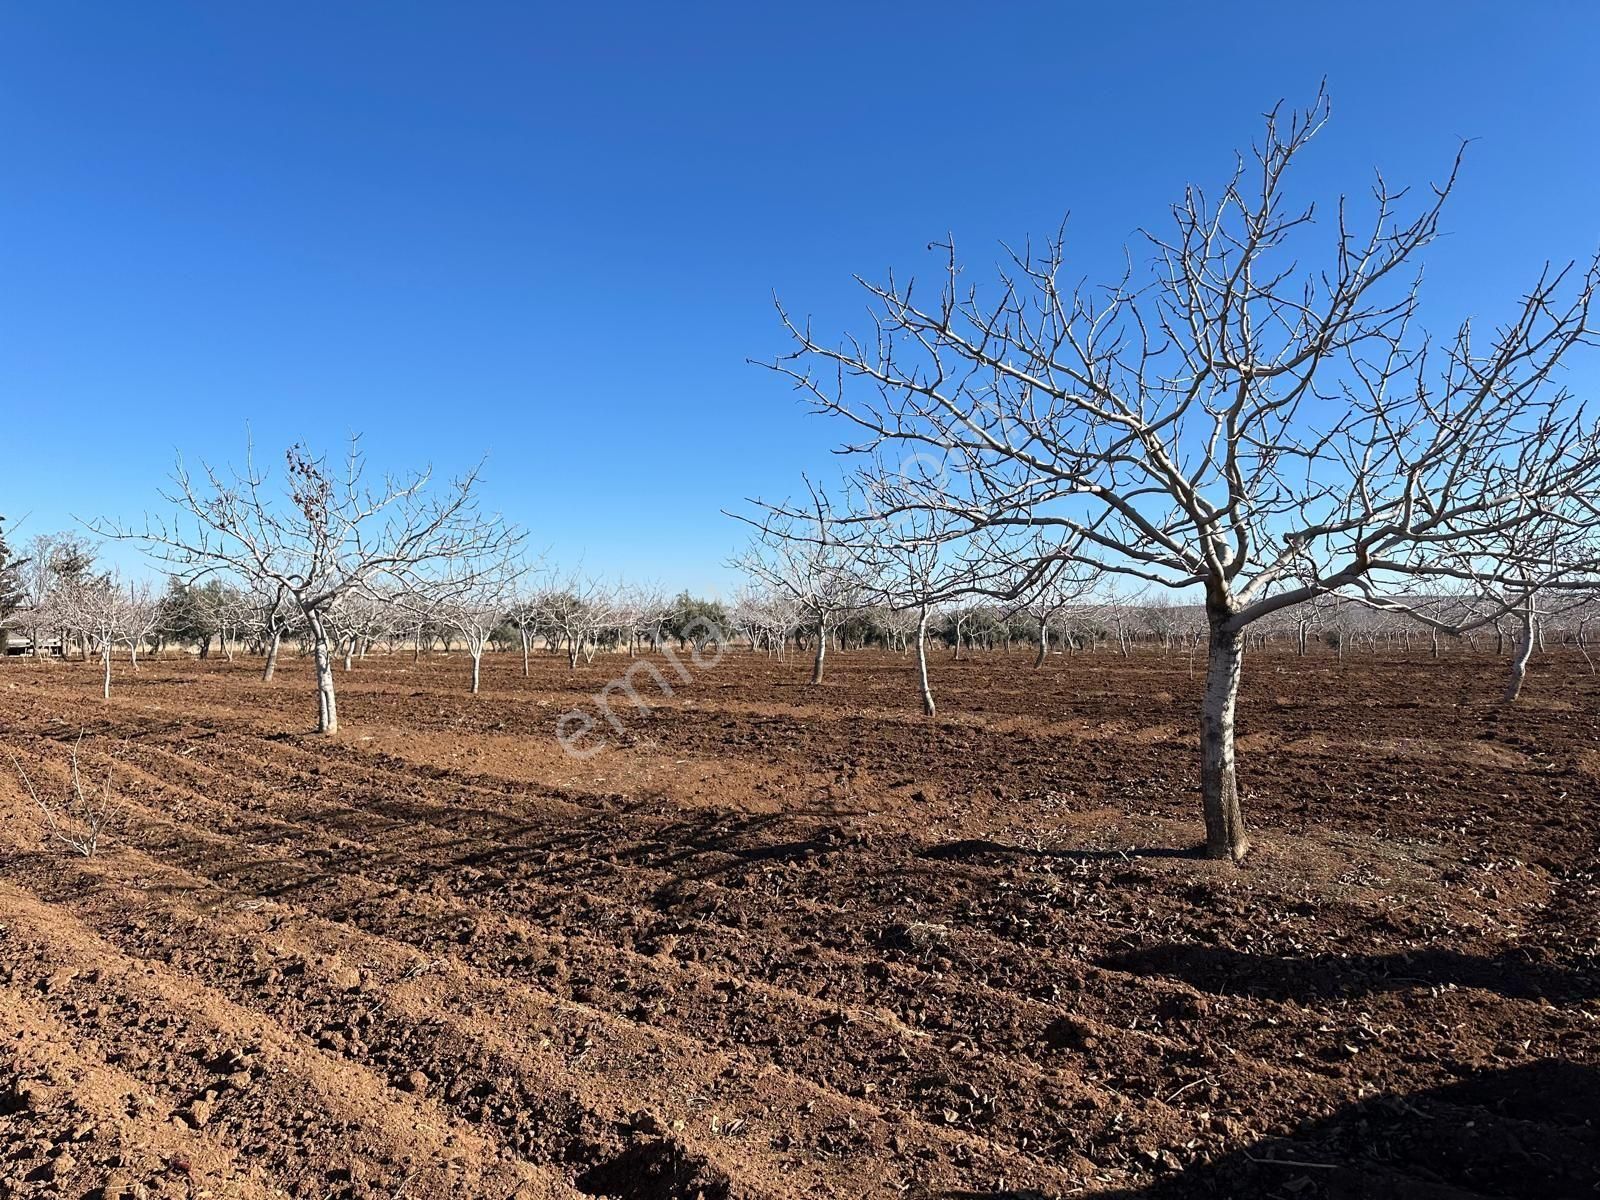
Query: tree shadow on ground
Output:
(1323,977)
(980,849)
(1522,1133)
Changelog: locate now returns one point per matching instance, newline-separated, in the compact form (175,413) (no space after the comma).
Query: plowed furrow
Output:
(832,1046)
(217,1065)
(499,1049)
(827,988)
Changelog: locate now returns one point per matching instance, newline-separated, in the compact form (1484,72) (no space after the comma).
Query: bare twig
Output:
(83,815)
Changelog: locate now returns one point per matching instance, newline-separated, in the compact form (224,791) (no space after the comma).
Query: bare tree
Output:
(1243,420)
(80,818)
(644,611)
(232,611)
(328,534)
(573,612)
(1303,619)
(1123,612)
(1549,559)
(139,618)
(912,557)
(474,599)
(266,614)
(52,561)
(800,554)
(923,556)
(102,611)
(1546,568)
(357,619)
(767,618)
(524,616)
(1045,584)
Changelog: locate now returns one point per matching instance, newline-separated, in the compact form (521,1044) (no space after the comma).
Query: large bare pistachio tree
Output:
(323,533)
(1252,416)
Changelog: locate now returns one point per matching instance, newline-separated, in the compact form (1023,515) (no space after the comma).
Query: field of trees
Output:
(1161,759)
(784,940)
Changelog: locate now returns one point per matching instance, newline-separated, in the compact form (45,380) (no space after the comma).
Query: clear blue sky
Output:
(553,233)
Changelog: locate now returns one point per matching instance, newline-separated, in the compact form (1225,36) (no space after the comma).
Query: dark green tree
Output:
(188,612)
(697,620)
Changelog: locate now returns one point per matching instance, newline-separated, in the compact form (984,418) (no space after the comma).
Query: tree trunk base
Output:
(1234,853)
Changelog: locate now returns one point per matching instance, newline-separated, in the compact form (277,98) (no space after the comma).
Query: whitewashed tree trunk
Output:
(1044,645)
(105,657)
(928,705)
(822,652)
(1519,660)
(1219,787)
(327,704)
(272,655)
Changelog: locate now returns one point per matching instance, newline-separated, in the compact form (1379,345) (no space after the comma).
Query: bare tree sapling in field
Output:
(573,613)
(915,559)
(266,616)
(800,555)
(324,533)
(140,617)
(1254,417)
(473,602)
(81,815)
(766,618)
(103,612)
(1048,597)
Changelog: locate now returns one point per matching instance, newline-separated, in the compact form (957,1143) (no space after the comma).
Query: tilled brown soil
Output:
(779,941)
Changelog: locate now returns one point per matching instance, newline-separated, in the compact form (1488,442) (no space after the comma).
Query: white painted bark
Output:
(928,705)
(327,703)
(272,656)
(1219,787)
(1519,660)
